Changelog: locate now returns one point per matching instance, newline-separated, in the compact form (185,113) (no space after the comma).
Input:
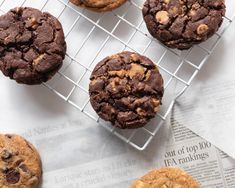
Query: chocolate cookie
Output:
(166,177)
(32,45)
(99,5)
(126,89)
(20,164)
(183,23)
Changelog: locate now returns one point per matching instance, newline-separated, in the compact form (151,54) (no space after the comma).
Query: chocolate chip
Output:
(8,136)
(23,167)
(4,169)
(6,155)
(12,176)
(18,161)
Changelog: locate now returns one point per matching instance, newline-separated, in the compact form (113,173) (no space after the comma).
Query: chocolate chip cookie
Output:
(20,164)
(166,178)
(32,45)
(183,23)
(99,5)
(126,89)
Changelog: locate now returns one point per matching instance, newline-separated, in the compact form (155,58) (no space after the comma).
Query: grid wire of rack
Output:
(92,36)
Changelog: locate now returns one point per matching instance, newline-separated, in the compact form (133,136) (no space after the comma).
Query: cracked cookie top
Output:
(126,89)
(20,164)
(99,5)
(183,23)
(166,178)
(32,45)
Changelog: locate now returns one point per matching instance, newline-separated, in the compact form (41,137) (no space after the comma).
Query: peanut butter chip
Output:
(38,59)
(33,21)
(93,82)
(167,1)
(135,69)
(156,103)
(181,2)
(192,13)
(202,28)
(162,17)
(120,73)
(148,74)
(114,83)
(135,57)
(18,9)
(114,56)
(141,112)
(156,109)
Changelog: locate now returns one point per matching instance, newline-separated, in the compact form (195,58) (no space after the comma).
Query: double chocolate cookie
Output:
(32,45)
(126,89)
(20,164)
(99,5)
(166,178)
(183,23)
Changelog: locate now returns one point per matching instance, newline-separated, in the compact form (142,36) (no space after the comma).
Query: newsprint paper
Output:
(90,157)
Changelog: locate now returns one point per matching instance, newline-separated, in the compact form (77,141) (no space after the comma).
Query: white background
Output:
(36,113)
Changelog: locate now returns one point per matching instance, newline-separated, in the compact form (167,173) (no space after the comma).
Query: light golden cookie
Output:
(166,178)
(99,5)
(20,164)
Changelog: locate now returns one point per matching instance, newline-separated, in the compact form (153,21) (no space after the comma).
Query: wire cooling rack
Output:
(92,36)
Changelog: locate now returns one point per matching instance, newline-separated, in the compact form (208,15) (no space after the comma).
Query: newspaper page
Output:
(81,154)
(210,166)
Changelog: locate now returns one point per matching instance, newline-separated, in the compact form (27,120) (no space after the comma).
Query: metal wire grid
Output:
(71,82)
